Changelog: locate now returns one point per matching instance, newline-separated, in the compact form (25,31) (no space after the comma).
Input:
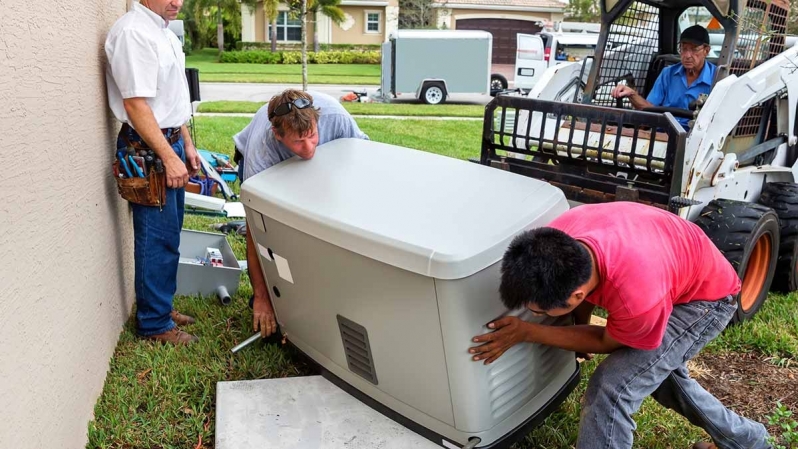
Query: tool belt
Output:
(171,135)
(139,173)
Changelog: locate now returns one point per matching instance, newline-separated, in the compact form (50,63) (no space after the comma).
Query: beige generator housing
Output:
(383,263)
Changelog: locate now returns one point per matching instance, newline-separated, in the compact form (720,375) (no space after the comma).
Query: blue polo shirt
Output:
(671,88)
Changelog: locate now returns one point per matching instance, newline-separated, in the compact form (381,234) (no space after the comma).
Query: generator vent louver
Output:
(355,339)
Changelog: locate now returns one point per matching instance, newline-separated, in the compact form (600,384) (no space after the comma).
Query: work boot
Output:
(180,319)
(174,336)
(703,445)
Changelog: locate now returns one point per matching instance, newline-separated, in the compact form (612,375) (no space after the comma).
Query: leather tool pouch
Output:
(147,191)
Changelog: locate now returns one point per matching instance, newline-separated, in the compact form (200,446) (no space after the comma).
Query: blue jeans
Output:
(627,376)
(157,241)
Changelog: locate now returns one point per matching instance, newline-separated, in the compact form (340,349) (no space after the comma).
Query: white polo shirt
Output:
(145,59)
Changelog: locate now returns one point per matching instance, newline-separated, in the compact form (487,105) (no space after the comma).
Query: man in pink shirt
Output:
(668,292)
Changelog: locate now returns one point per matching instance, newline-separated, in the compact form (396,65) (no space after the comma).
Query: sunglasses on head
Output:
(285,108)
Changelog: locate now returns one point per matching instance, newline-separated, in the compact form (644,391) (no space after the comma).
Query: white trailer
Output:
(433,64)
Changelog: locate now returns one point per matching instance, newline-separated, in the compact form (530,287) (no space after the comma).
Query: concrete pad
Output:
(303,413)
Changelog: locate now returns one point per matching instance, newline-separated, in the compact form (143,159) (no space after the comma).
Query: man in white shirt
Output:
(148,93)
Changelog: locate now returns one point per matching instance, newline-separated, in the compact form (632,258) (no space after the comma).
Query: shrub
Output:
(251,57)
(295,57)
(787,435)
(296,47)
(333,57)
(366,57)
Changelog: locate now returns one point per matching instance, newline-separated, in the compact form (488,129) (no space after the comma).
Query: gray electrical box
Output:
(383,263)
(196,278)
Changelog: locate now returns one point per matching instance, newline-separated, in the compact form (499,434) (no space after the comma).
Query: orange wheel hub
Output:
(756,272)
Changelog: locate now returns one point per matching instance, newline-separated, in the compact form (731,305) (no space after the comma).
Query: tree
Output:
(271,10)
(304,12)
(583,11)
(329,8)
(219,28)
(212,22)
(418,14)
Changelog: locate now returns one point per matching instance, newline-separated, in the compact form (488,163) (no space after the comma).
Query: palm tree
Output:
(199,16)
(304,12)
(271,11)
(329,8)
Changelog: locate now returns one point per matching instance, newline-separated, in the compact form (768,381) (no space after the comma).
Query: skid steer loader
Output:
(732,171)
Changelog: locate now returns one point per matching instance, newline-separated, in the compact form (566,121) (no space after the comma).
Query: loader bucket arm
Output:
(594,154)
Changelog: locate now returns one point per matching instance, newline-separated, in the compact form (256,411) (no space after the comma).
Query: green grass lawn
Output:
(403,109)
(455,138)
(162,396)
(210,70)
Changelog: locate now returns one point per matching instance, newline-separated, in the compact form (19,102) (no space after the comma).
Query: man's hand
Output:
(623,91)
(192,159)
(263,316)
(509,331)
(176,173)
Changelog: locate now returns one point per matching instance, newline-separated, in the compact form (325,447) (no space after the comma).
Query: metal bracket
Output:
(500,164)
(623,193)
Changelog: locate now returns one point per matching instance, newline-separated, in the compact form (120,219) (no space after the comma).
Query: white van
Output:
(538,52)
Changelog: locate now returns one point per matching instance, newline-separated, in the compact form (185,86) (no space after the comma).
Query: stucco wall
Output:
(260,24)
(248,23)
(66,241)
(262,27)
(353,30)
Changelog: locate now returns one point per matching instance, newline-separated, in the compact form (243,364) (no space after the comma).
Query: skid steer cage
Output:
(594,154)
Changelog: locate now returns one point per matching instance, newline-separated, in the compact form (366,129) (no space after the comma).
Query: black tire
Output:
(748,235)
(498,83)
(782,197)
(433,93)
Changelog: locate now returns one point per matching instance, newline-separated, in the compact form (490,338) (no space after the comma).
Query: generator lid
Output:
(429,214)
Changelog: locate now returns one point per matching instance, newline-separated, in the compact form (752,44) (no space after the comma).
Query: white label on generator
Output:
(449,445)
(282,268)
(264,252)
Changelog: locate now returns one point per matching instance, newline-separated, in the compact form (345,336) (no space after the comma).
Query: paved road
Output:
(264,92)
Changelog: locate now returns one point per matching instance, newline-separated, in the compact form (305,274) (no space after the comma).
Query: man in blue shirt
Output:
(680,84)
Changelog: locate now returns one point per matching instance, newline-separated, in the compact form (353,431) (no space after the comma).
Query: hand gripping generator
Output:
(383,263)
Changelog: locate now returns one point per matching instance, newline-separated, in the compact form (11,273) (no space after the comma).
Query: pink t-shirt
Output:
(648,261)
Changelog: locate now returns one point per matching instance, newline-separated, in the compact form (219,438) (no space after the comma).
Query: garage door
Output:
(503,31)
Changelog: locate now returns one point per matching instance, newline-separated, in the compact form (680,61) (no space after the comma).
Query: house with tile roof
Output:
(502,18)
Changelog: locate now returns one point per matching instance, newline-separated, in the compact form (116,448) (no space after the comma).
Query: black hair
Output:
(543,266)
